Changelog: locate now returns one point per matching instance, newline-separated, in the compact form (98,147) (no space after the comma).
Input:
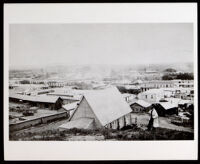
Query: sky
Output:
(138,43)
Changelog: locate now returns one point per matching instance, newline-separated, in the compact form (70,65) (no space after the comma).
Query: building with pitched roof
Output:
(50,102)
(152,95)
(166,108)
(70,107)
(140,106)
(106,108)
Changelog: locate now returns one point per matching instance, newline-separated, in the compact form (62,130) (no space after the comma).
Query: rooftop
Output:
(44,98)
(108,105)
(168,105)
(70,106)
(141,103)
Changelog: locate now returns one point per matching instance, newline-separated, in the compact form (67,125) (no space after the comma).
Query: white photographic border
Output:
(98,13)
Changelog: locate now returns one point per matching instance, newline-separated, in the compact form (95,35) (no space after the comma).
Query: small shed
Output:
(140,106)
(165,108)
(51,102)
(70,107)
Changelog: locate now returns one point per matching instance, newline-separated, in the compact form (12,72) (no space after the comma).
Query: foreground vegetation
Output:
(128,133)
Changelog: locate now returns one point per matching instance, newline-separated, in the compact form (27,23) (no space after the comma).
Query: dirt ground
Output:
(142,120)
(85,138)
(164,122)
(16,113)
(43,127)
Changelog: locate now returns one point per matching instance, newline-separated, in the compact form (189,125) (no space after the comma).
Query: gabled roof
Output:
(70,106)
(45,99)
(108,105)
(141,103)
(16,96)
(168,105)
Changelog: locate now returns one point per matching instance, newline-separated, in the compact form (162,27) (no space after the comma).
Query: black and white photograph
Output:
(101,81)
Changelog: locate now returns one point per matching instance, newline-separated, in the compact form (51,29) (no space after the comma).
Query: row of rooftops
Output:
(160,90)
(164,81)
(52,97)
(108,105)
(44,99)
(169,104)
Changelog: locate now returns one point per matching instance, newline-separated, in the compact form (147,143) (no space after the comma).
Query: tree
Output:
(185,76)
(25,82)
(182,76)
(169,70)
(167,77)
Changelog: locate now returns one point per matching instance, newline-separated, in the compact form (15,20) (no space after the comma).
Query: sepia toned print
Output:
(101,82)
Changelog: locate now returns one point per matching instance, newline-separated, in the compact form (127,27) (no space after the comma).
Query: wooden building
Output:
(140,106)
(166,108)
(70,108)
(67,98)
(50,102)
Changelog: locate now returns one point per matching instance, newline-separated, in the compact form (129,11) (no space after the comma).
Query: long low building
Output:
(166,108)
(50,102)
(106,108)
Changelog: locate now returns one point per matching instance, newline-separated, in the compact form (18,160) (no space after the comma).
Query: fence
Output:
(37,121)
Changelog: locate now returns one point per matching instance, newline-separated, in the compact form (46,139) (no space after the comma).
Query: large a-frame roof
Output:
(108,105)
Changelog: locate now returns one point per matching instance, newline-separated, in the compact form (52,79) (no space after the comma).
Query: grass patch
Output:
(131,133)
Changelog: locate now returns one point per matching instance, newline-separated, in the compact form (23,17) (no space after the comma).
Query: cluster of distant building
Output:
(107,107)
(167,96)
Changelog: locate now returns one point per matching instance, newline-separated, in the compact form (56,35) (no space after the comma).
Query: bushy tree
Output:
(25,82)
(182,76)
(169,70)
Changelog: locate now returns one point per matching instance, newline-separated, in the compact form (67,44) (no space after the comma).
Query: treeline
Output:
(28,82)
(181,76)
(122,89)
(81,85)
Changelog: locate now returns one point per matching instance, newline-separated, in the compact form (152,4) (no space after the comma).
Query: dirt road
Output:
(164,122)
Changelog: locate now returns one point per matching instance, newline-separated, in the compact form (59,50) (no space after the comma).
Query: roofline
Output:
(35,100)
(140,105)
(90,108)
(167,108)
(118,118)
(93,111)
(75,109)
